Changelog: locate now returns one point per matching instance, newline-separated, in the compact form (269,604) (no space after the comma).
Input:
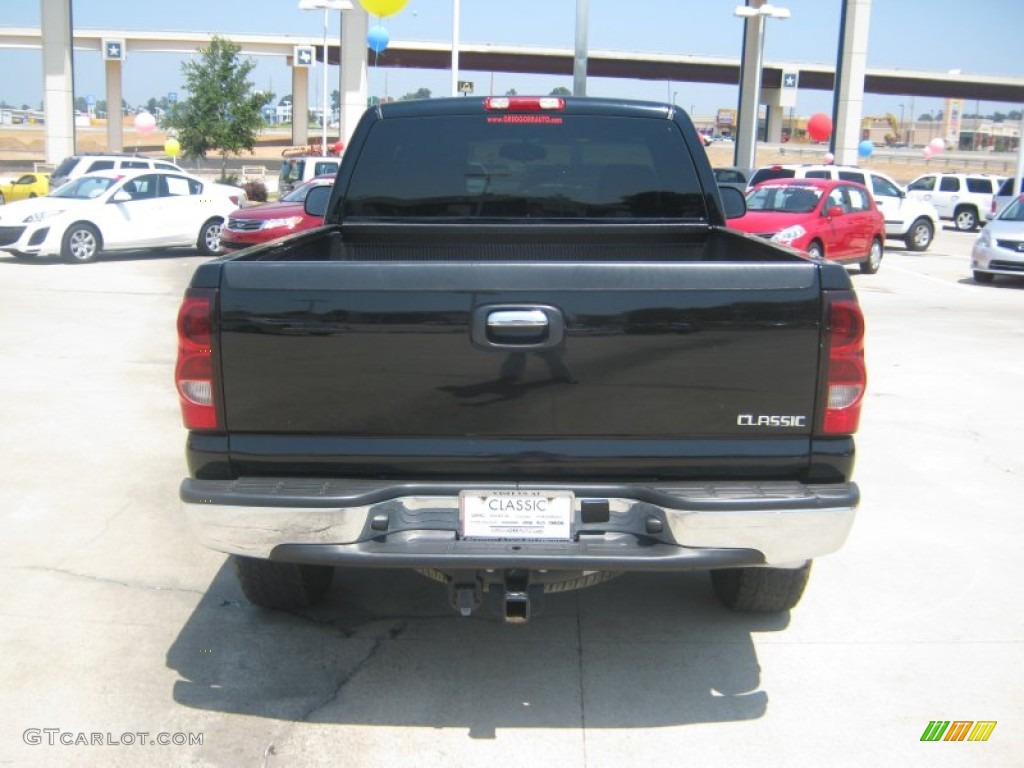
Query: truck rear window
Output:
(579,166)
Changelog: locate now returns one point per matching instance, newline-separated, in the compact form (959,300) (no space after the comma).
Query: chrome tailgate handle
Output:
(517,326)
(517,320)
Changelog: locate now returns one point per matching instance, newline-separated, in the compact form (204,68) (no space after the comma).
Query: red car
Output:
(823,217)
(261,223)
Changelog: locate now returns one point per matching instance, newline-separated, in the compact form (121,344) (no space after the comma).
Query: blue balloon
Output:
(865,148)
(378,38)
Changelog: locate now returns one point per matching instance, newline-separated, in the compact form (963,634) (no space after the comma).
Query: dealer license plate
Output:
(543,515)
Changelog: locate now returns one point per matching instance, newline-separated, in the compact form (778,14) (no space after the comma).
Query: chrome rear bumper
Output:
(670,526)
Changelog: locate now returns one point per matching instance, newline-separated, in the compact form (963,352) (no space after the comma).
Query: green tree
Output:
(223,113)
(560,91)
(422,93)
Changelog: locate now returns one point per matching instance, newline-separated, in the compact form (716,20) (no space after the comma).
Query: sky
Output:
(934,35)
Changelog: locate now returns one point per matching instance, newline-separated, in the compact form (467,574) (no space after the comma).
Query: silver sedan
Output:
(999,249)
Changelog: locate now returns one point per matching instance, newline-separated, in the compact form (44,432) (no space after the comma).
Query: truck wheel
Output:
(280,586)
(920,235)
(966,219)
(81,243)
(874,260)
(208,243)
(760,590)
(983,277)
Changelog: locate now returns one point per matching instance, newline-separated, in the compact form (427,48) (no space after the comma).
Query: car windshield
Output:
(85,187)
(298,195)
(1014,211)
(788,199)
(770,174)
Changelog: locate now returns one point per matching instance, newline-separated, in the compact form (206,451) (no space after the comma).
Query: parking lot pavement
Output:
(116,623)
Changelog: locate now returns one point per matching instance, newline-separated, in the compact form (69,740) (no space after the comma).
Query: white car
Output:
(999,249)
(110,211)
(908,219)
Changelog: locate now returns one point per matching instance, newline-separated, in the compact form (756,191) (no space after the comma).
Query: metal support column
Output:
(58,79)
(851,68)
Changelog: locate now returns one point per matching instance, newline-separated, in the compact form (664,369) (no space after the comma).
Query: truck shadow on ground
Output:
(643,650)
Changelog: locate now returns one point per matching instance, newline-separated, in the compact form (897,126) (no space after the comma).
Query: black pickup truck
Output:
(523,354)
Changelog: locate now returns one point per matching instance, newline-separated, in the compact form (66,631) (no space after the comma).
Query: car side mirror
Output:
(120,197)
(733,202)
(316,201)
(835,211)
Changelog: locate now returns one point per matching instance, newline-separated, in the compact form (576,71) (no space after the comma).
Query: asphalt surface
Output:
(116,623)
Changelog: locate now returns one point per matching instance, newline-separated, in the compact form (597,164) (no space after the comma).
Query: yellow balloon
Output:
(383,7)
(172,147)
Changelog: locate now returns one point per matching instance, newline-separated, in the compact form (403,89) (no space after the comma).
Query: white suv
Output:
(906,218)
(962,198)
(1003,196)
(79,165)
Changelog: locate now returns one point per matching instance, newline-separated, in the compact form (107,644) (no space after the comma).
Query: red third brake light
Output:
(846,372)
(193,374)
(524,103)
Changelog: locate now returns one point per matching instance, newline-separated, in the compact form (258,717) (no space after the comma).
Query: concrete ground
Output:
(116,623)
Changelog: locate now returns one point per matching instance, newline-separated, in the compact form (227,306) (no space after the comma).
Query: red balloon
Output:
(819,126)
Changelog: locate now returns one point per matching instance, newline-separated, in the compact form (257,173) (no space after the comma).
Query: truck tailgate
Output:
(493,360)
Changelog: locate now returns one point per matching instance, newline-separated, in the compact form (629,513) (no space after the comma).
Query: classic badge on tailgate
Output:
(516,515)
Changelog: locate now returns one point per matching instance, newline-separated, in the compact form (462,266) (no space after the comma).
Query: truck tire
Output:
(280,586)
(760,590)
(966,218)
(920,235)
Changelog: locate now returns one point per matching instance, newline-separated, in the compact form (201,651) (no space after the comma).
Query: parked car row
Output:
(825,218)
(907,219)
(114,210)
(843,213)
(127,202)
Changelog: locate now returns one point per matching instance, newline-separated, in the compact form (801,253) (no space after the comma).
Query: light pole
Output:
(753,13)
(901,138)
(327,6)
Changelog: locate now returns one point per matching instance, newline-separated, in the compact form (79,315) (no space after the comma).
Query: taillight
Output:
(846,374)
(193,374)
(524,103)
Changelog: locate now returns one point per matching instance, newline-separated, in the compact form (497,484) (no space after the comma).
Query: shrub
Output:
(256,191)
